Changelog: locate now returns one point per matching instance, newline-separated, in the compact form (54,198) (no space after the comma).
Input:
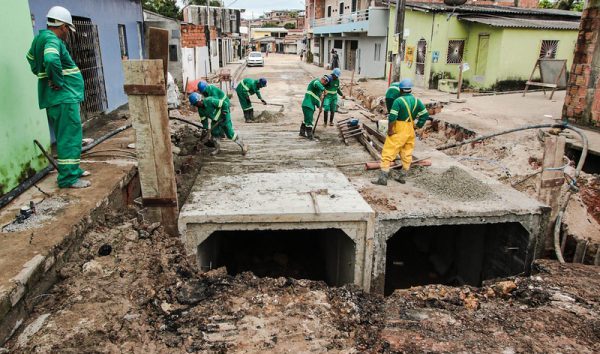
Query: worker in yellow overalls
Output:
(401,132)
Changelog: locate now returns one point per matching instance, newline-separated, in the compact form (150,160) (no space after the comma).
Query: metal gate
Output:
(84,47)
(420,62)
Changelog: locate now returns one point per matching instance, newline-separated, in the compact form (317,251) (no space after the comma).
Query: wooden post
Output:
(145,86)
(351,83)
(158,46)
(551,182)
(460,79)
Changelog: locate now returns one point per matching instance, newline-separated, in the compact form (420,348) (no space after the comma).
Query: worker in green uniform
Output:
(391,94)
(215,117)
(312,99)
(60,91)
(331,96)
(401,132)
(244,90)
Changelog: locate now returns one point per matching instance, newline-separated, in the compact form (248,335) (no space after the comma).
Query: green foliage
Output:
(572,5)
(167,8)
(215,3)
(289,26)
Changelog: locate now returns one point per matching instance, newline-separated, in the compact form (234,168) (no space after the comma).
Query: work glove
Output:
(264,102)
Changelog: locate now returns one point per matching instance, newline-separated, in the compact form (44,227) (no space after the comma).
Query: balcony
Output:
(373,21)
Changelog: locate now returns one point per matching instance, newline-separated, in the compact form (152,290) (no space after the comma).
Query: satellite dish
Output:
(455,2)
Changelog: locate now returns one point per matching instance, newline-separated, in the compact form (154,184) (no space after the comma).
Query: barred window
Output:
(455,51)
(548,49)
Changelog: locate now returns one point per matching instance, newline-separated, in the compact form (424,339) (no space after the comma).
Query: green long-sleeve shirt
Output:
(214,91)
(312,98)
(393,91)
(408,107)
(251,86)
(333,88)
(50,60)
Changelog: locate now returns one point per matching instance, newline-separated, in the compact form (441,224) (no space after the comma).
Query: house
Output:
(152,19)
(210,39)
(356,29)
(21,121)
(108,31)
(292,43)
(268,37)
(501,44)
(290,19)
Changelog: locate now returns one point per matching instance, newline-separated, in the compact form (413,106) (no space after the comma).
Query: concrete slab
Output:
(279,200)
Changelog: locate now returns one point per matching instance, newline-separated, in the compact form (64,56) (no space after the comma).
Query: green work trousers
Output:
(66,123)
(244,98)
(308,116)
(224,127)
(330,103)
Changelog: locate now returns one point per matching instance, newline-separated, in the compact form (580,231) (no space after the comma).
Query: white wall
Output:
(365,55)
(194,61)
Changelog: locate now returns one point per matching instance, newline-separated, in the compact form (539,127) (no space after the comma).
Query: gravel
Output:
(454,184)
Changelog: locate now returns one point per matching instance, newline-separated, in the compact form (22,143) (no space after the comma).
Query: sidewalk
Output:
(33,253)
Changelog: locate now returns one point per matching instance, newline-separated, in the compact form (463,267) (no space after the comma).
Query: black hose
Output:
(188,122)
(25,185)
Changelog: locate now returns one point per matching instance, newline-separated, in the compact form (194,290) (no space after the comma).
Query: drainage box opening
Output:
(326,254)
(454,254)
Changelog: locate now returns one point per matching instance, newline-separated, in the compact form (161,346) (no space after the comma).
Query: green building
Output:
(500,44)
(21,121)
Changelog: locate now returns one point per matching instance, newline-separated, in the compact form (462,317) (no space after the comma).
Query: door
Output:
(482,54)
(350,55)
(84,47)
(420,62)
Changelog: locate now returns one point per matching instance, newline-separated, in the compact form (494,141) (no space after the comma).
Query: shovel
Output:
(282,107)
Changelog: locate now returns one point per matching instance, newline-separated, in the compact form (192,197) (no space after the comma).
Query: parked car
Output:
(255,58)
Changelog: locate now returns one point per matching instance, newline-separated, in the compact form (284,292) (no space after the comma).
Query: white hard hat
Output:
(58,15)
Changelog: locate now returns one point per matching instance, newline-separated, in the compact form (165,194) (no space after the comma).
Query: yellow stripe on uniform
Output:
(42,75)
(221,102)
(29,56)
(422,112)
(244,86)
(331,91)
(51,51)
(71,71)
(394,112)
(313,94)
(407,109)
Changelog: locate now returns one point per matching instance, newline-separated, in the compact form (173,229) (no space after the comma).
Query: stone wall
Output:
(582,102)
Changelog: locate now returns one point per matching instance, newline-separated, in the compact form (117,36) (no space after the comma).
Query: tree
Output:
(167,8)
(215,3)
(289,26)
(573,5)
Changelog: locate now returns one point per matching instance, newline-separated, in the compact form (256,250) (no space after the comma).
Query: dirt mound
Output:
(454,184)
(268,117)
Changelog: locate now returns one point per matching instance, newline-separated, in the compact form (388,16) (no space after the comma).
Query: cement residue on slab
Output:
(454,184)
(268,117)
(45,211)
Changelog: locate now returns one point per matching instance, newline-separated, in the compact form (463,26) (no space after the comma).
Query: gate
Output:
(420,63)
(84,47)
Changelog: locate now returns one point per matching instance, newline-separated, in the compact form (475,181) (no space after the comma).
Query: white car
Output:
(255,58)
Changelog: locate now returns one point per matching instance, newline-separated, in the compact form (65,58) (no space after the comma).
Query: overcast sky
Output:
(258,7)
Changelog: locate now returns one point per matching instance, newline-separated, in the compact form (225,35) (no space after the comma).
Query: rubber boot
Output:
(242,145)
(251,115)
(325,113)
(217,145)
(330,119)
(382,179)
(246,117)
(309,133)
(302,130)
(400,176)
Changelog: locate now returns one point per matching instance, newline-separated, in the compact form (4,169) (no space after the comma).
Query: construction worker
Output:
(215,117)
(60,91)
(401,132)
(391,94)
(244,90)
(212,91)
(331,96)
(312,99)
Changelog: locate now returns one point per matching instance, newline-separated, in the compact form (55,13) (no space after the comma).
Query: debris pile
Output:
(454,184)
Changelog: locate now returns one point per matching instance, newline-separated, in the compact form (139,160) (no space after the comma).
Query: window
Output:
(173,52)
(338,43)
(341,8)
(353,5)
(175,34)
(140,38)
(548,49)
(123,42)
(455,51)
(329,11)
(377,56)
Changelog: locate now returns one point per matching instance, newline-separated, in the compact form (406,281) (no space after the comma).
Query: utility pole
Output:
(400,7)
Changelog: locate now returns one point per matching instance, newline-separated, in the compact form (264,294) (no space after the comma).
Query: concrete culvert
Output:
(454,254)
(326,254)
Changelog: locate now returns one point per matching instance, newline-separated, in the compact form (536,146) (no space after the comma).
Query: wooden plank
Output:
(535,83)
(153,139)
(158,46)
(549,186)
(374,153)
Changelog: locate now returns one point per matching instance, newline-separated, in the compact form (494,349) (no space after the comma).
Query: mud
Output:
(268,117)
(454,184)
